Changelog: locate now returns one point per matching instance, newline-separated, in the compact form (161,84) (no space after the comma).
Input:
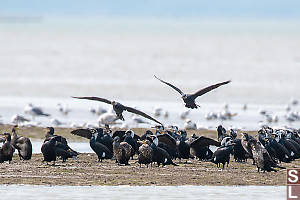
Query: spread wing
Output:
(86,133)
(2,139)
(208,89)
(95,99)
(167,139)
(204,141)
(135,111)
(172,86)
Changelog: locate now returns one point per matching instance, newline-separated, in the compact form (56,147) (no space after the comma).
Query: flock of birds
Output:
(269,148)
(165,145)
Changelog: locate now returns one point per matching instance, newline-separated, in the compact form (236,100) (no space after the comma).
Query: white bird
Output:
(34,111)
(56,122)
(64,109)
(294,102)
(157,111)
(17,119)
(245,107)
(189,125)
(166,114)
(107,118)
(184,114)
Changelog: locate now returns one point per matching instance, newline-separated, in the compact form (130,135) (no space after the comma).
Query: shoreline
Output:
(87,171)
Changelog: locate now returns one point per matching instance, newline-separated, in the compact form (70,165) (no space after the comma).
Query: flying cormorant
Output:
(189,99)
(119,108)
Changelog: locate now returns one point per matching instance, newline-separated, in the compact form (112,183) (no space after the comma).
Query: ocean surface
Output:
(142,192)
(50,59)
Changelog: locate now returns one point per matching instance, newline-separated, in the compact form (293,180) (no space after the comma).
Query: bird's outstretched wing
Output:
(169,84)
(95,99)
(208,89)
(204,141)
(167,139)
(135,111)
(86,133)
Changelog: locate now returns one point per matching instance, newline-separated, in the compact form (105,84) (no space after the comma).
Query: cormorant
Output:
(49,150)
(119,108)
(189,99)
(183,148)
(99,145)
(160,156)
(200,147)
(222,154)
(145,153)
(22,144)
(7,150)
(122,151)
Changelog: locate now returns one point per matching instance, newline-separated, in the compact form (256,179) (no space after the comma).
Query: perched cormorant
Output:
(62,148)
(262,158)
(99,142)
(122,151)
(7,150)
(119,108)
(49,150)
(168,143)
(160,156)
(129,138)
(222,154)
(200,147)
(239,153)
(221,133)
(145,153)
(189,99)
(246,141)
(183,148)
(22,144)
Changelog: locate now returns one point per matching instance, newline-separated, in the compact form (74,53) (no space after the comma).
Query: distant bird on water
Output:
(34,111)
(189,99)
(119,108)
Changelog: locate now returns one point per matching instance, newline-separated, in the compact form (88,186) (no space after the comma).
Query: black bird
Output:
(62,148)
(239,154)
(119,108)
(22,144)
(246,141)
(49,150)
(189,99)
(221,133)
(282,154)
(160,156)
(98,143)
(183,148)
(168,143)
(222,154)
(7,150)
(129,138)
(200,147)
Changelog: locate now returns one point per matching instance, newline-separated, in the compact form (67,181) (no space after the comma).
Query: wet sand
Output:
(87,171)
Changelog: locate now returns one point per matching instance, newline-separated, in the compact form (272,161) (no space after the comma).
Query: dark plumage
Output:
(239,154)
(22,144)
(281,153)
(61,145)
(129,138)
(100,149)
(100,142)
(49,151)
(145,153)
(7,150)
(222,155)
(183,148)
(200,147)
(221,133)
(122,151)
(168,143)
(119,108)
(160,156)
(189,99)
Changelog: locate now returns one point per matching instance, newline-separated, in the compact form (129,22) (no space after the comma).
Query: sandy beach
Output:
(87,171)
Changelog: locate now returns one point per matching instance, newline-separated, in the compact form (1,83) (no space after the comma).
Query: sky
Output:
(155,8)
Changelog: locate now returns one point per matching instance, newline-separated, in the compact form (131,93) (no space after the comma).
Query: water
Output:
(142,192)
(48,61)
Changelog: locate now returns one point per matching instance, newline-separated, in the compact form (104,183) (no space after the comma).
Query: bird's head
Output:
(184,96)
